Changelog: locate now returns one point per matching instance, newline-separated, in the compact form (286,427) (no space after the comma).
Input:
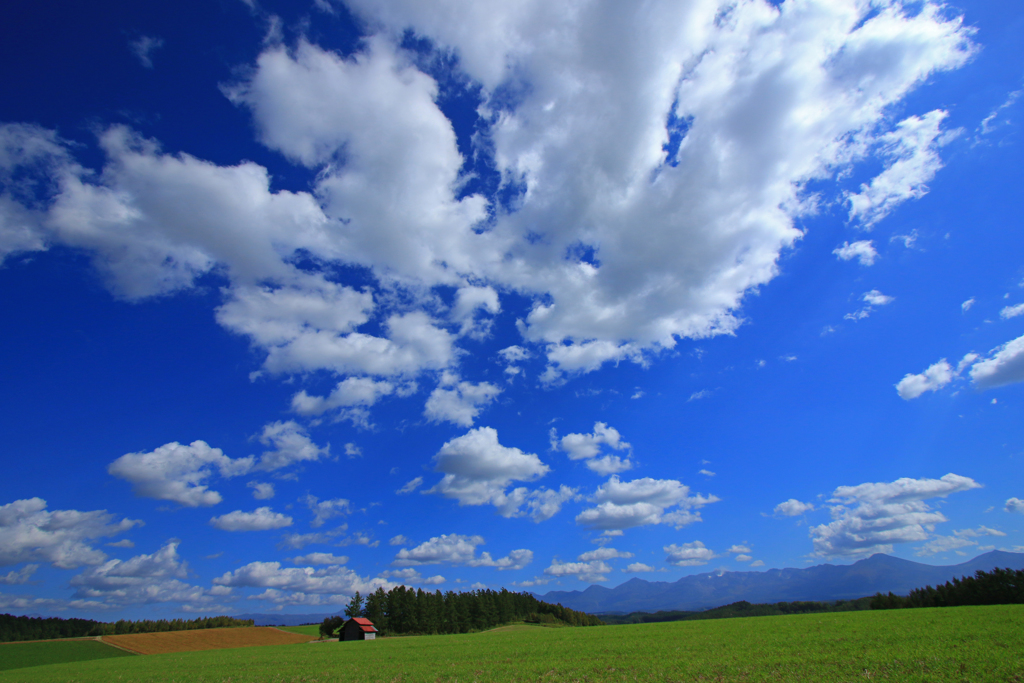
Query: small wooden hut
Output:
(358,628)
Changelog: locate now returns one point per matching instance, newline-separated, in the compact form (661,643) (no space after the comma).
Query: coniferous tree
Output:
(374,610)
(355,606)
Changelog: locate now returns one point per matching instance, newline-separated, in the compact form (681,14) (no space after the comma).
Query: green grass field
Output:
(21,655)
(950,644)
(308,630)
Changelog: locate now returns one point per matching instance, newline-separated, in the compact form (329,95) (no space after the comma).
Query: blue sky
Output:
(304,298)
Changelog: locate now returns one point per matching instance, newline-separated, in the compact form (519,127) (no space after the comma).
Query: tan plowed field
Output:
(204,639)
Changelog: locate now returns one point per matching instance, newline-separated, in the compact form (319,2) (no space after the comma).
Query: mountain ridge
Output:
(824,582)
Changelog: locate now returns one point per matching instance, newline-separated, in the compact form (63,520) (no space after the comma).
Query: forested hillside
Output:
(406,610)
(997,587)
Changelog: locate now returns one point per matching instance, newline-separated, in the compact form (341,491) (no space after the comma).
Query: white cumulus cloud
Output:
(590,183)
(320,558)
(1004,366)
(290,443)
(325,509)
(588,447)
(544,503)
(1011,311)
(872,299)
(472,307)
(934,378)
(653,187)
(862,250)
(688,554)
(592,571)
(31,533)
(143,579)
(627,504)
(178,472)
(912,150)
(300,585)
(23,575)
(959,539)
(461,403)
(478,471)
(260,519)
(514,354)
(871,518)
(604,553)
(792,508)
(456,549)
(407,575)
(876,298)
(261,490)
(352,399)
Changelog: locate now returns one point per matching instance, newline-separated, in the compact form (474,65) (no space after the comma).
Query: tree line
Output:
(45,628)
(402,611)
(997,587)
(742,608)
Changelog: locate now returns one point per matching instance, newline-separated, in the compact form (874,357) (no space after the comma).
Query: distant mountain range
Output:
(878,573)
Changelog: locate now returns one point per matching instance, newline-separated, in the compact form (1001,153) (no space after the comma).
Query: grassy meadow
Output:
(22,655)
(312,630)
(942,644)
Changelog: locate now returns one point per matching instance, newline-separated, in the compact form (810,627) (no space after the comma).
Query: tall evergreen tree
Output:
(355,606)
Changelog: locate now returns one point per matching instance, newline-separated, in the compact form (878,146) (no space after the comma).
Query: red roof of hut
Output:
(365,625)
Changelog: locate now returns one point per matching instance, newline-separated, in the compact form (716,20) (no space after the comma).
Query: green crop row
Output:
(948,644)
